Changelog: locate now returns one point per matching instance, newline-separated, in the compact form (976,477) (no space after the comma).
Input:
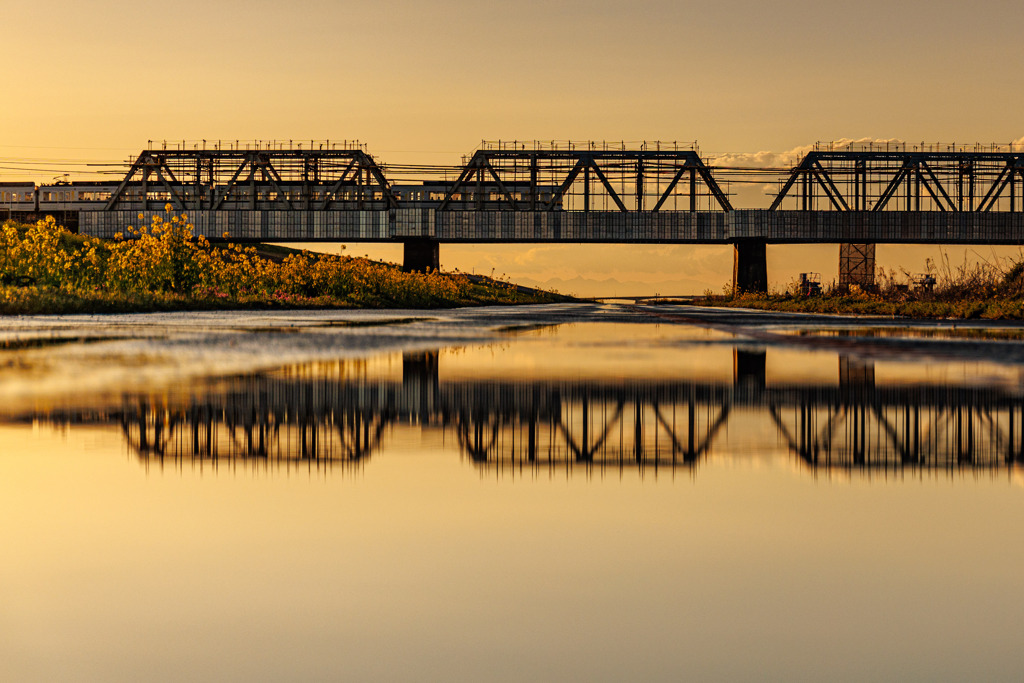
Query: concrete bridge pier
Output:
(420,379)
(750,266)
(421,254)
(748,368)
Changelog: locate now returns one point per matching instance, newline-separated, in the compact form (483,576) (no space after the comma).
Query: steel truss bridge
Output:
(588,425)
(578,193)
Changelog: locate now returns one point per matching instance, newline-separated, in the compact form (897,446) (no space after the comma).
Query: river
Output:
(581,492)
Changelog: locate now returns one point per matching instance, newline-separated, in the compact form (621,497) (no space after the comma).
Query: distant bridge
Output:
(574,193)
(851,426)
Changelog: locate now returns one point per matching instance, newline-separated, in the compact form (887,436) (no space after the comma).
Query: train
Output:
(65,198)
(27,197)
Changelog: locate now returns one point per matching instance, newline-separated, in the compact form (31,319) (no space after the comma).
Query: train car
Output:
(298,194)
(157,195)
(486,195)
(17,198)
(64,198)
(77,196)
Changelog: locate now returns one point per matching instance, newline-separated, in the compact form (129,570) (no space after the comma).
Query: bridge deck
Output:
(677,227)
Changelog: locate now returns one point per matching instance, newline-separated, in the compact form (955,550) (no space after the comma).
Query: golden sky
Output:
(425,82)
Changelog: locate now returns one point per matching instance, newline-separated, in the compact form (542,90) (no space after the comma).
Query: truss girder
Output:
(251,179)
(906,181)
(626,178)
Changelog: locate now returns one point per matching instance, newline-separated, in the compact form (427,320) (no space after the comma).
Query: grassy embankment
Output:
(44,268)
(989,291)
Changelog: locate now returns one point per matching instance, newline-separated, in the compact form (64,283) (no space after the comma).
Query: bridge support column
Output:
(748,369)
(855,373)
(419,369)
(857,266)
(750,266)
(420,379)
(421,254)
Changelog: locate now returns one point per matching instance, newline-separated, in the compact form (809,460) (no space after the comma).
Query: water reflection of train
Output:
(65,197)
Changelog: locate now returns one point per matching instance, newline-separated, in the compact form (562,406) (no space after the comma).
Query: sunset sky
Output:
(425,82)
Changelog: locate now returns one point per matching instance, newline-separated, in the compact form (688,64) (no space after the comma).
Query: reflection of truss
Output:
(577,424)
(868,435)
(200,432)
(599,430)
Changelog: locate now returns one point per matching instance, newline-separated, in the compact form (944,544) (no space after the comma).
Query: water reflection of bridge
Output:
(852,424)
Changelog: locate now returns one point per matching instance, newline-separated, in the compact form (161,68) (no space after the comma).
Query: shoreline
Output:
(864,306)
(51,301)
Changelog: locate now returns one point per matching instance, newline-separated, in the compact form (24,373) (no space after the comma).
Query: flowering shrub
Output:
(166,259)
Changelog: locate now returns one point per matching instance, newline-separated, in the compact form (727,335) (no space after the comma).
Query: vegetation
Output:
(44,268)
(993,291)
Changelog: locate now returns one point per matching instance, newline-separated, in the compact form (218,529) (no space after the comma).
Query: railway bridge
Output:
(579,193)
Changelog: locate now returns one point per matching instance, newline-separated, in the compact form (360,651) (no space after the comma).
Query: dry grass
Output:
(992,290)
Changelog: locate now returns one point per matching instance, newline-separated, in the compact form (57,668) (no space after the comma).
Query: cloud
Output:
(792,157)
(758,195)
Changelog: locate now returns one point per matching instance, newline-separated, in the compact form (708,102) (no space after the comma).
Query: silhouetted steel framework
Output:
(254,179)
(593,177)
(906,181)
(277,430)
(856,264)
(880,429)
(521,425)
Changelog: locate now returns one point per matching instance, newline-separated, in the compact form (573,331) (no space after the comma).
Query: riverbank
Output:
(45,269)
(45,300)
(993,308)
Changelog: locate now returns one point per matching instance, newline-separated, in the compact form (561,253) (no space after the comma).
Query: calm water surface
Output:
(612,497)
